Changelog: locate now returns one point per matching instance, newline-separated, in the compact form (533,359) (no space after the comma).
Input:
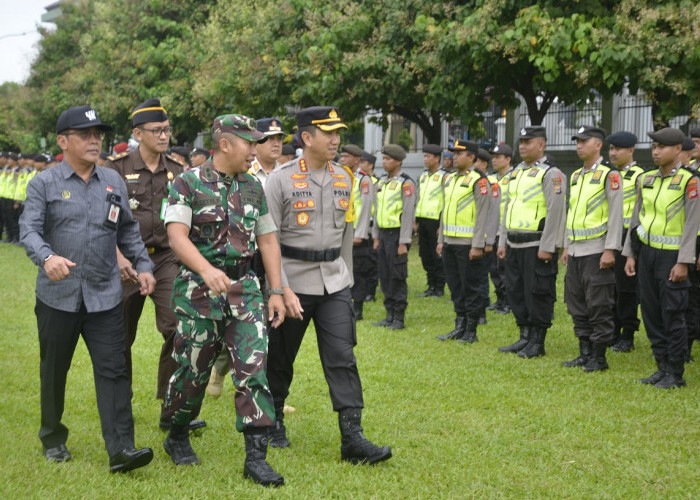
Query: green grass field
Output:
(463,421)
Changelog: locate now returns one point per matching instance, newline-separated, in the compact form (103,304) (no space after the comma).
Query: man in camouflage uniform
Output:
(215,215)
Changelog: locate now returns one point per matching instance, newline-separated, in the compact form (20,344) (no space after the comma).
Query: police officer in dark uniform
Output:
(396,204)
(428,209)
(367,162)
(659,248)
(310,200)
(502,155)
(148,173)
(594,234)
(533,228)
(621,154)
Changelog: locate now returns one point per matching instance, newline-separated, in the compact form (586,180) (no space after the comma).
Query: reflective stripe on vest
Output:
(662,213)
(527,206)
(459,213)
(431,201)
(588,204)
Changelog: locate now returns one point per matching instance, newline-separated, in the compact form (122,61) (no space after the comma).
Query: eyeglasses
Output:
(157,132)
(86,134)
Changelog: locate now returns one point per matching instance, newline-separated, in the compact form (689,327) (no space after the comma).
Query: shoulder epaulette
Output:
(481,174)
(406,177)
(119,156)
(690,170)
(173,159)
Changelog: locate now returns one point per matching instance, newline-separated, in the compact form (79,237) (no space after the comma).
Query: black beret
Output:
(502,149)
(461,145)
(482,154)
(288,149)
(687,144)
(182,151)
(80,117)
(433,149)
(695,132)
(369,157)
(270,126)
(200,151)
(324,117)
(148,111)
(534,131)
(586,132)
(352,149)
(395,151)
(622,139)
(667,136)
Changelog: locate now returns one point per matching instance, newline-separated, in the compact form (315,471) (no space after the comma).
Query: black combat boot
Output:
(535,344)
(439,291)
(673,376)
(482,318)
(597,361)
(626,341)
(428,292)
(278,432)
(584,350)
(658,374)
(386,321)
(355,448)
(357,308)
(460,324)
(177,445)
(519,344)
(397,323)
(469,335)
(255,467)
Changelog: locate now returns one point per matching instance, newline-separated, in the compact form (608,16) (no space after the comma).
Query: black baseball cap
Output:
(502,149)
(586,132)
(80,117)
(533,131)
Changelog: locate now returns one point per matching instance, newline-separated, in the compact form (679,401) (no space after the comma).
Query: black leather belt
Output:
(239,270)
(327,255)
(525,237)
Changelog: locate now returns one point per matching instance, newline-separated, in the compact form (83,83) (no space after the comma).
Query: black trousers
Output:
(3,217)
(393,271)
(103,333)
(464,278)
(497,270)
(165,268)
(336,337)
(531,287)
(589,292)
(362,268)
(11,219)
(373,272)
(626,297)
(427,243)
(663,303)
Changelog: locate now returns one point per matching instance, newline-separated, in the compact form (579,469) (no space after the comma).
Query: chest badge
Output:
(302,218)
(133,203)
(65,195)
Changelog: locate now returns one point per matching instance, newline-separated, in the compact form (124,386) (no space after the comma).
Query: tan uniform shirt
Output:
(310,211)
(148,192)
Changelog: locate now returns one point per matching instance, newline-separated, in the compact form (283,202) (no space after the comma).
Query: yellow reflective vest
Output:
(459,213)
(431,201)
(390,201)
(527,207)
(587,217)
(629,192)
(662,212)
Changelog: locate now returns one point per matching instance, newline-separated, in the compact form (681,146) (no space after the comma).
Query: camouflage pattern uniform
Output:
(225,213)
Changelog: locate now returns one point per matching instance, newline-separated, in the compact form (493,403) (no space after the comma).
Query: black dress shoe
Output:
(57,454)
(194,424)
(130,459)
(369,298)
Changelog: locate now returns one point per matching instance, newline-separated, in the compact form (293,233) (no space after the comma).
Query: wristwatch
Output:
(276,291)
(47,258)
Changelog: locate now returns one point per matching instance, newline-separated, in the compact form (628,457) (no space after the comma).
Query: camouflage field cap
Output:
(240,125)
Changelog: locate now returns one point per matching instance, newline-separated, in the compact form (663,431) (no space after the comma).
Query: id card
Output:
(163,208)
(115,210)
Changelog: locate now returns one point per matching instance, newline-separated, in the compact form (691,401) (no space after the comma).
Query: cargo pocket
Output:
(545,277)
(676,296)
(400,268)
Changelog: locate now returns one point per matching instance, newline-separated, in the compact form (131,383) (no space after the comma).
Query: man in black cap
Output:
(288,154)
(198,156)
(481,164)
(532,229)
(593,236)
(364,194)
(428,210)
(462,239)
(695,136)
(660,247)
(502,155)
(396,205)
(75,217)
(310,200)
(686,156)
(181,154)
(149,172)
(621,154)
(367,162)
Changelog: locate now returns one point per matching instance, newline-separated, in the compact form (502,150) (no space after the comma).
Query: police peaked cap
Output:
(502,149)
(533,131)
(586,132)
